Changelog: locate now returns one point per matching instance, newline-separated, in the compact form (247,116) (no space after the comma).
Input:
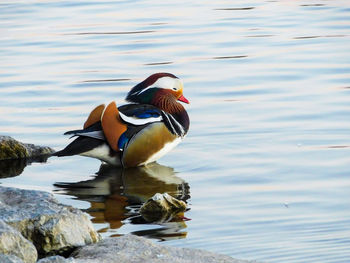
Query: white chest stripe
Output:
(178,124)
(172,122)
(171,125)
(138,121)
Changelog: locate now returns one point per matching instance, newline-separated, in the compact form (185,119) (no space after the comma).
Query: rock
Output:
(12,149)
(52,227)
(5,258)
(35,150)
(161,208)
(130,248)
(14,167)
(10,168)
(14,246)
(56,259)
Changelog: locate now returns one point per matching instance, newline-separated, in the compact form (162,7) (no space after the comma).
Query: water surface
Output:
(265,166)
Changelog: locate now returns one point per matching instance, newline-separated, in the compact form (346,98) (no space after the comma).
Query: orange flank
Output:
(94,116)
(112,125)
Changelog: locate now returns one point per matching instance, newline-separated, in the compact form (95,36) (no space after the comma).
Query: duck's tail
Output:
(87,139)
(80,145)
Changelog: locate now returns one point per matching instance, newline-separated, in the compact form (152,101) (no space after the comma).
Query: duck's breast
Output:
(148,145)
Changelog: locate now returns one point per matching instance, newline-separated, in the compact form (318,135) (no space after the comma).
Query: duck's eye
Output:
(174,88)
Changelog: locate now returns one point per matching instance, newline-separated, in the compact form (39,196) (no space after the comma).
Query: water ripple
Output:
(267,154)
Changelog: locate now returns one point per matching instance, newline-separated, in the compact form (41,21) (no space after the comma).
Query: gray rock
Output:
(12,149)
(130,248)
(162,208)
(14,246)
(6,258)
(52,227)
(56,259)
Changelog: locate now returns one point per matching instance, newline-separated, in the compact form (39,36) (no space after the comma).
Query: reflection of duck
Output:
(116,194)
(138,133)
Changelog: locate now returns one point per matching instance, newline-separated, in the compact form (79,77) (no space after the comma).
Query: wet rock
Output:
(52,227)
(56,259)
(14,247)
(14,167)
(130,248)
(5,258)
(161,207)
(13,149)
(10,168)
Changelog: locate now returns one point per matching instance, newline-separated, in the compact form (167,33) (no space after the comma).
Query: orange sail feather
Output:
(94,116)
(112,125)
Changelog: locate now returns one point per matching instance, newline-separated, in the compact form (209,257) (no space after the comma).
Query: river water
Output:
(265,167)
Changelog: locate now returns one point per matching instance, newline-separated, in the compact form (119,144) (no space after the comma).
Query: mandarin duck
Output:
(138,133)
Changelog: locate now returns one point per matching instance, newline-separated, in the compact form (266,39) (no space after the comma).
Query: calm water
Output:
(265,167)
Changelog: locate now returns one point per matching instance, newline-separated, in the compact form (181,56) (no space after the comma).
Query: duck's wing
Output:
(137,117)
(140,114)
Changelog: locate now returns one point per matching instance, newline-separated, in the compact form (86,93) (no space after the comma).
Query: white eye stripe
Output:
(164,83)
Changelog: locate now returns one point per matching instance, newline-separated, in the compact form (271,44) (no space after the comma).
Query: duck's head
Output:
(159,89)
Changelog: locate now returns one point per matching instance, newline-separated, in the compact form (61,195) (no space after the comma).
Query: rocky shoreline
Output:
(13,149)
(35,227)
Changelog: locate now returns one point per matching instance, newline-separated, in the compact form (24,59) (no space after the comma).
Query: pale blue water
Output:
(267,158)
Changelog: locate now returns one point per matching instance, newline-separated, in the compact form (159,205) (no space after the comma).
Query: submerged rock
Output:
(14,247)
(161,208)
(52,227)
(13,149)
(130,248)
